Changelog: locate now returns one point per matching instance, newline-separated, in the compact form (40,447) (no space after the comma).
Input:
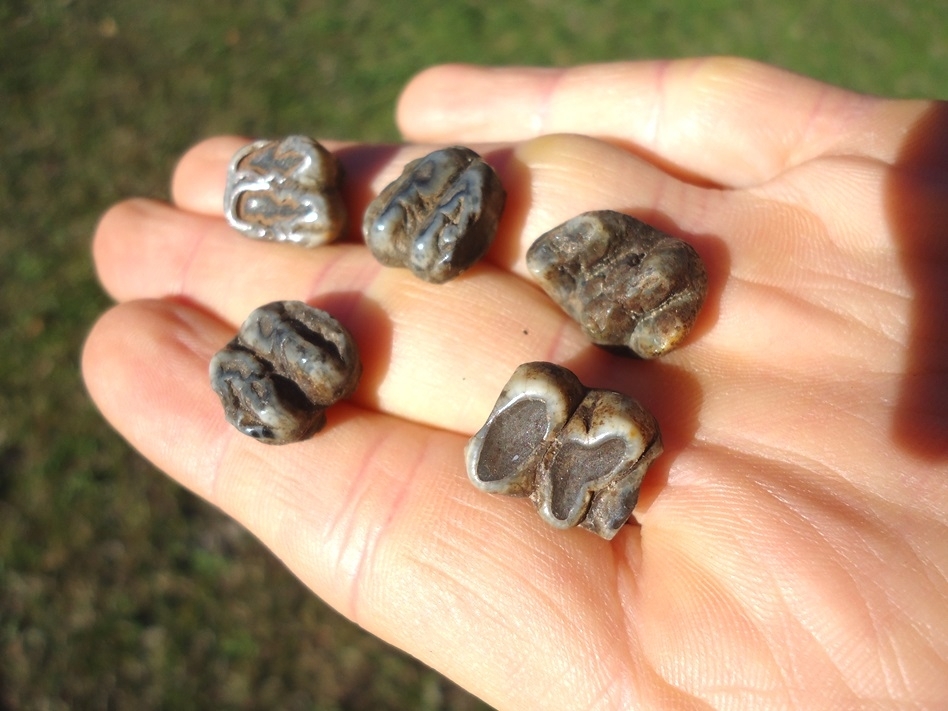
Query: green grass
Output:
(118,589)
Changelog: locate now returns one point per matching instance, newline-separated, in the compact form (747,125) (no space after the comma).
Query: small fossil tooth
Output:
(286,191)
(626,283)
(579,454)
(287,364)
(438,217)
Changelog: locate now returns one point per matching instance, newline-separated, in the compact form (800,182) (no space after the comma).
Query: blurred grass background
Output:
(118,590)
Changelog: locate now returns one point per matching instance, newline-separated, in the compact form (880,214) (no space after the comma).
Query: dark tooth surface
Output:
(287,364)
(286,191)
(625,282)
(579,454)
(438,217)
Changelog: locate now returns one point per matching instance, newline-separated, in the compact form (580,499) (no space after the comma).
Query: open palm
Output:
(793,542)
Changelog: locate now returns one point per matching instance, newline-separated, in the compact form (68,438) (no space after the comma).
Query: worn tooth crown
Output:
(530,412)
(286,191)
(287,364)
(580,454)
(438,217)
(626,283)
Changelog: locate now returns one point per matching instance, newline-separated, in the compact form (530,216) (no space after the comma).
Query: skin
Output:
(791,549)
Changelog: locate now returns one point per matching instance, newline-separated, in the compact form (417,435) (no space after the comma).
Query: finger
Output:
(199,177)
(376,516)
(728,121)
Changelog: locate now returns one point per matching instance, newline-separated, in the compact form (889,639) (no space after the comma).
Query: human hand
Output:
(791,552)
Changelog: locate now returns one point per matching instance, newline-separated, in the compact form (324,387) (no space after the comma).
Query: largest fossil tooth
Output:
(579,454)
